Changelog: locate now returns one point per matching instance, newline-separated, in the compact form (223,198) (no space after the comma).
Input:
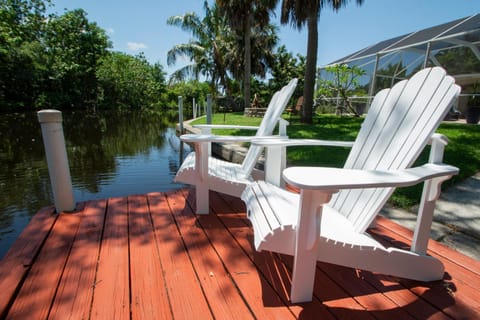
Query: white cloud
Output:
(110,30)
(136,46)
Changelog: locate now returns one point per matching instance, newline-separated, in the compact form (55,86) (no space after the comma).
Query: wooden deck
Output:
(150,257)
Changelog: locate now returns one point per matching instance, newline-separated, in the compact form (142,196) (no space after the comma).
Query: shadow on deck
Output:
(150,257)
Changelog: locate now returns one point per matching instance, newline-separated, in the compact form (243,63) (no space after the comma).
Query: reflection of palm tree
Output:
(207,51)
(299,13)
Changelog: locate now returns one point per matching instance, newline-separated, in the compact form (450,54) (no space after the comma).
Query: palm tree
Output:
(263,42)
(299,13)
(242,16)
(206,51)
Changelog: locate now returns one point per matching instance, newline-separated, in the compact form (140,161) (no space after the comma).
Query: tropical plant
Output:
(207,51)
(344,81)
(74,46)
(51,60)
(128,82)
(22,20)
(263,41)
(286,67)
(301,12)
(188,90)
(22,66)
(243,16)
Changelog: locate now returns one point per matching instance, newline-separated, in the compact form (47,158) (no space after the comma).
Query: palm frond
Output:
(184,73)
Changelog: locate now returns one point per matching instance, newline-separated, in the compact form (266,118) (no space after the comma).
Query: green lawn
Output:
(463,150)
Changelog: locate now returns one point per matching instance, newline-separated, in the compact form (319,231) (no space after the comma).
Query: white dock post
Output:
(180,113)
(194,109)
(57,160)
(209,108)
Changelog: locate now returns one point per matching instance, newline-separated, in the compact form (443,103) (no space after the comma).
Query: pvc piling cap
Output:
(49,115)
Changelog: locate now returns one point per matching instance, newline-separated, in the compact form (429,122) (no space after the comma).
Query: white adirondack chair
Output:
(328,219)
(209,173)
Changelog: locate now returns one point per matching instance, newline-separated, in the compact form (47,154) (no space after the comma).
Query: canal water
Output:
(110,154)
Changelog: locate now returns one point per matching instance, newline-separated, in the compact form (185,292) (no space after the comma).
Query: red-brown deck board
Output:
(150,257)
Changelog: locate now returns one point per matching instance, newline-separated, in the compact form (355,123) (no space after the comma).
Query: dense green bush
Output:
(63,61)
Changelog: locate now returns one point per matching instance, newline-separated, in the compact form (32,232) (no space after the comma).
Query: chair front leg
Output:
(430,194)
(306,244)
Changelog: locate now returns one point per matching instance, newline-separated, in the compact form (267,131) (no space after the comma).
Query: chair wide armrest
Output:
(300,142)
(224,126)
(336,179)
(198,138)
(275,156)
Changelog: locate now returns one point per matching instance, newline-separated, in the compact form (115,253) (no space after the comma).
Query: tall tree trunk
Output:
(310,67)
(248,64)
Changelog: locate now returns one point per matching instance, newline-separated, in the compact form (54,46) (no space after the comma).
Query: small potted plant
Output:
(472,115)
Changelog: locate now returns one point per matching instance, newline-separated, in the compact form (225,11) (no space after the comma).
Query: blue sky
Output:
(140,25)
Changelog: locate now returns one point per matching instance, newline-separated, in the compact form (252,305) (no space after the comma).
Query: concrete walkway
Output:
(456,219)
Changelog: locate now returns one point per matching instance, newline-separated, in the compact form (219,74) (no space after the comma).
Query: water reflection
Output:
(110,154)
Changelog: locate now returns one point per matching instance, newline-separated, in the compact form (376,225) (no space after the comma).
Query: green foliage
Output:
(255,38)
(73,48)
(47,61)
(188,90)
(22,67)
(126,82)
(236,118)
(285,68)
(218,48)
(208,50)
(263,92)
(474,94)
(390,74)
(459,60)
(344,81)
(22,20)
(62,61)
(462,150)
(298,14)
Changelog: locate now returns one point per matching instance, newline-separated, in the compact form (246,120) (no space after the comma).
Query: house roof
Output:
(461,32)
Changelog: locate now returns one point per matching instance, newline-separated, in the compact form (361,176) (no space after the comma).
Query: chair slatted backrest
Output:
(272,115)
(397,128)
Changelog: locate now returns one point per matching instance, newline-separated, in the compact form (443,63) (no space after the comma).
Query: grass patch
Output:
(236,118)
(463,150)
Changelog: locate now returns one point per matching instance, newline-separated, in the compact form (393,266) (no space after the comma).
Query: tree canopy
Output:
(208,51)
(307,12)
(64,61)
(218,49)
